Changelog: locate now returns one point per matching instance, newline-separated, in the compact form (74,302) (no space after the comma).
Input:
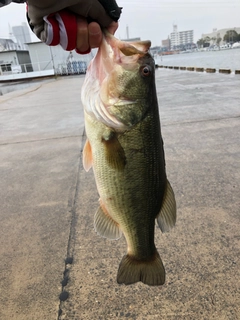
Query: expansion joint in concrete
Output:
(64,295)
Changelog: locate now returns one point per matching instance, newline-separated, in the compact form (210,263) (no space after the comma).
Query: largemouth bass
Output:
(125,149)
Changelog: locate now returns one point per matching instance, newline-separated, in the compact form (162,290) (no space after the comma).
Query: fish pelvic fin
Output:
(166,219)
(150,272)
(104,225)
(87,156)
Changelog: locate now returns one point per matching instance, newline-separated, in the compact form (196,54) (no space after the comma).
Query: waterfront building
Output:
(166,43)
(155,50)
(7,44)
(12,61)
(180,38)
(219,34)
(45,57)
(41,60)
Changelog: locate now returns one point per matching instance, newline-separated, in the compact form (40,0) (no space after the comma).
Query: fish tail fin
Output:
(150,272)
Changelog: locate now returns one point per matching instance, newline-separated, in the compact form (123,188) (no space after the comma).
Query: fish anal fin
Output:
(166,219)
(114,152)
(150,272)
(104,225)
(87,156)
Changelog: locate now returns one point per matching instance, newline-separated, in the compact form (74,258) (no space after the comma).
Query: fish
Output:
(124,147)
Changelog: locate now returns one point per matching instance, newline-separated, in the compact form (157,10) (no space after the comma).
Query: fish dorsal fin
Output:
(104,225)
(87,156)
(166,219)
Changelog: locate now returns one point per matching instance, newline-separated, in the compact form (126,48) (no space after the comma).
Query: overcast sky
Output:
(153,19)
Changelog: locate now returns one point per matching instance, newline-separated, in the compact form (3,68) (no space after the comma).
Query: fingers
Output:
(82,43)
(94,35)
(112,27)
(90,35)
(62,22)
(87,36)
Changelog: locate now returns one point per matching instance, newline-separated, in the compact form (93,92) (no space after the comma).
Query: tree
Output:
(231,36)
(214,39)
(204,42)
(219,39)
(200,42)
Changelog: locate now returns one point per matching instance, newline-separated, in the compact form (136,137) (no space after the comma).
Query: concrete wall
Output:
(40,56)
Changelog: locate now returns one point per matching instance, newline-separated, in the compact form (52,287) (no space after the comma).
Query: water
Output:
(222,59)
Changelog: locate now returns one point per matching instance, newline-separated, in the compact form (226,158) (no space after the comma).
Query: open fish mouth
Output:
(101,91)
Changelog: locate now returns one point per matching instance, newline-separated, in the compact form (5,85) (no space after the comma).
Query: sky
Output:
(153,19)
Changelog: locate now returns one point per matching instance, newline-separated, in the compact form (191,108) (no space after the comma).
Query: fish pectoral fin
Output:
(115,154)
(87,156)
(166,219)
(150,271)
(105,226)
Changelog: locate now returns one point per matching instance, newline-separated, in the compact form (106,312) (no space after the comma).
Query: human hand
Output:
(89,36)
(66,22)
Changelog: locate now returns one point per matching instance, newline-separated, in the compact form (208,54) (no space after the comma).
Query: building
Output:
(155,50)
(166,44)
(181,39)
(22,33)
(8,44)
(15,60)
(40,60)
(216,35)
(45,58)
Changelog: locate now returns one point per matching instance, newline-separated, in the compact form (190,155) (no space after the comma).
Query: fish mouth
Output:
(99,91)
(121,49)
(114,53)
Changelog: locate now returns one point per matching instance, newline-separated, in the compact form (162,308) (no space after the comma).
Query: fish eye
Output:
(146,71)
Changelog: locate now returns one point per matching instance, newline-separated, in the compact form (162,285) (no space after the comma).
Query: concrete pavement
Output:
(54,266)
